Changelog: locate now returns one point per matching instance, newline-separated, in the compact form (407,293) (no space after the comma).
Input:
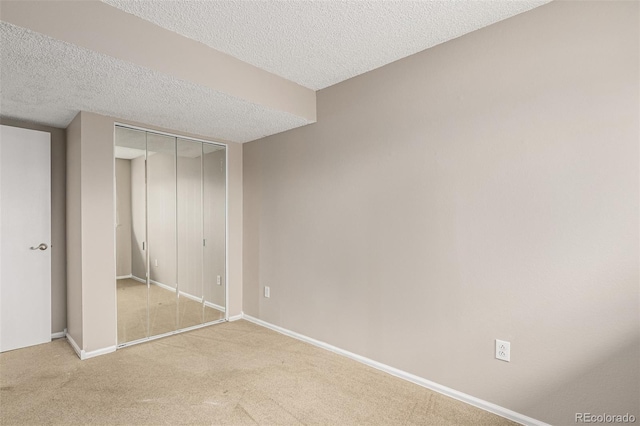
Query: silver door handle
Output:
(42,246)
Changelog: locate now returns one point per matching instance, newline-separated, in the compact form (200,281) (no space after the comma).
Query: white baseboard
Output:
(75,346)
(161,285)
(124,277)
(235,318)
(214,306)
(59,334)
(82,354)
(452,393)
(188,295)
(98,352)
(133,277)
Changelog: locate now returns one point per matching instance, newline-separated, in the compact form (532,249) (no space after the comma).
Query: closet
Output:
(170,230)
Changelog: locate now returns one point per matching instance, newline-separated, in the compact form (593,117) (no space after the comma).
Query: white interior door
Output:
(25,238)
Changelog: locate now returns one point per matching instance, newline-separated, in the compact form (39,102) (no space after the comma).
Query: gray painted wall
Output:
(485,188)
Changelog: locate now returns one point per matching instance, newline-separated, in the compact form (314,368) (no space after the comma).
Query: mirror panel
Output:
(170,233)
(190,302)
(161,233)
(131,266)
(214,201)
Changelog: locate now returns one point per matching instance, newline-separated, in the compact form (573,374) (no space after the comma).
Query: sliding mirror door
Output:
(131,257)
(162,233)
(170,233)
(215,201)
(190,308)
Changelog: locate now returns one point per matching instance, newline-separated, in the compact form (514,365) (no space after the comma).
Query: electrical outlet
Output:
(219,280)
(267,292)
(156,262)
(503,350)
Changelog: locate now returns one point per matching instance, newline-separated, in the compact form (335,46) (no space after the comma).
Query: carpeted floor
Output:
(163,315)
(231,373)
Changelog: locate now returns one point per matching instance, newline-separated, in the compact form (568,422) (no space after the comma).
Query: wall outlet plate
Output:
(503,350)
(267,292)
(219,280)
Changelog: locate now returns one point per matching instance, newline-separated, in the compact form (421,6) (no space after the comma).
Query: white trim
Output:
(170,333)
(115,231)
(75,346)
(226,230)
(98,352)
(188,296)
(124,277)
(452,393)
(214,306)
(133,277)
(236,317)
(82,354)
(164,286)
(59,334)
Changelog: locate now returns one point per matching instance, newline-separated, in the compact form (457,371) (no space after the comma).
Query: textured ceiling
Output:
(48,81)
(320,43)
(314,43)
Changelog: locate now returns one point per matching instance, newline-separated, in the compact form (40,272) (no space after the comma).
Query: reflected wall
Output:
(170,233)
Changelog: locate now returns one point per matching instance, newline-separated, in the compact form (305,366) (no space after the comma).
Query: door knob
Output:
(42,246)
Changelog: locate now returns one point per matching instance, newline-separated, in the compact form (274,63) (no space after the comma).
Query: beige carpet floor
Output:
(227,374)
(163,313)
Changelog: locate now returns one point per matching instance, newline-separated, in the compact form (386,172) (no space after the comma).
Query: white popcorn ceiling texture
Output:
(321,43)
(48,81)
(314,43)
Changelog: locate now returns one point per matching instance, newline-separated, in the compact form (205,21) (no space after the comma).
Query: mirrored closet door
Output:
(170,233)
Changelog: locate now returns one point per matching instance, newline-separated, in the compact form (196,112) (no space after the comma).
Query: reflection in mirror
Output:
(170,233)
(190,304)
(214,201)
(130,153)
(161,233)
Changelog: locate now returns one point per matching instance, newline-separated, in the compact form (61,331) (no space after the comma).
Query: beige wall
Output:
(161,217)
(58,220)
(123,217)
(485,188)
(98,242)
(235,201)
(190,248)
(138,221)
(74,231)
(162,192)
(214,226)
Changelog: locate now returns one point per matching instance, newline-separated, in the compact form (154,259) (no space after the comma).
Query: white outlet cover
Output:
(267,292)
(503,350)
